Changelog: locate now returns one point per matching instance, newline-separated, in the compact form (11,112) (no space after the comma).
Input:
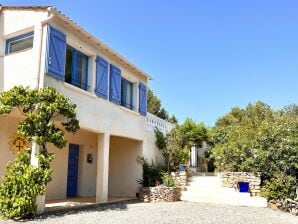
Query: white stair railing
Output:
(154,122)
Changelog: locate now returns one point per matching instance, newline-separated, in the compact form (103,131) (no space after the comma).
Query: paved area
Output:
(177,212)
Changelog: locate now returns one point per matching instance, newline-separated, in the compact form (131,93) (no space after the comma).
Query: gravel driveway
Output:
(177,212)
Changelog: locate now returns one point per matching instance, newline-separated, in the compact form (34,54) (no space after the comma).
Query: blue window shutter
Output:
(56,51)
(101,88)
(142,99)
(115,84)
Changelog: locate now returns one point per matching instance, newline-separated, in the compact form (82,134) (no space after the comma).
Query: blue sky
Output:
(206,56)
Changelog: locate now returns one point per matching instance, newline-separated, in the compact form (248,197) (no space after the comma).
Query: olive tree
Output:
(45,116)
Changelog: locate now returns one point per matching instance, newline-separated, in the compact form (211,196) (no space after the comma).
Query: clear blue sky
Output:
(206,56)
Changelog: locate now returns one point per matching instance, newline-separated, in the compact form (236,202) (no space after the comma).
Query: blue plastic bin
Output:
(181,168)
(243,187)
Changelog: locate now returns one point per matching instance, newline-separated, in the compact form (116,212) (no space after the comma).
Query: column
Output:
(102,178)
(40,200)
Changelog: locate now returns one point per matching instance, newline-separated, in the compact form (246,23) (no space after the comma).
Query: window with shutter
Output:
(142,99)
(101,88)
(55,56)
(76,68)
(115,84)
(127,94)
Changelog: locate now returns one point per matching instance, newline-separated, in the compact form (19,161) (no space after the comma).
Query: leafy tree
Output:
(173,119)
(154,107)
(41,110)
(257,139)
(176,144)
(153,103)
(163,114)
(193,134)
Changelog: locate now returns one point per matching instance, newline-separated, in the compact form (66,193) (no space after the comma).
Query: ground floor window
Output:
(76,68)
(127,93)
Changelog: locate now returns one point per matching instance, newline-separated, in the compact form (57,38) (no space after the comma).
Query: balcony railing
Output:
(154,122)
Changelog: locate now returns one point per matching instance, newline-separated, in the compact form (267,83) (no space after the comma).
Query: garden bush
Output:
(280,186)
(167,180)
(22,184)
(151,173)
(260,139)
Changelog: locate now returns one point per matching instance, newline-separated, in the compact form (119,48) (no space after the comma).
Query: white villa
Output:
(40,46)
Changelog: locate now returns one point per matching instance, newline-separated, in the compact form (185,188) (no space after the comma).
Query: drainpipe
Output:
(38,72)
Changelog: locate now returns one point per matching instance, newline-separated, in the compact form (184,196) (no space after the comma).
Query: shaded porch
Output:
(79,202)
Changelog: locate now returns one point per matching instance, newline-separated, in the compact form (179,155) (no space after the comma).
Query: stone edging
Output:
(230,179)
(160,194)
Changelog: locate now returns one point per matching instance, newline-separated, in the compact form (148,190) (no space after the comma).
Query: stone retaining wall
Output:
(180,179)
(230,179)
(160,194)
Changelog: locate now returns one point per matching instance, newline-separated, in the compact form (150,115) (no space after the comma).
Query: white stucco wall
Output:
(56,189)
(123,167)
(95,114)
(21,68)
(151,152)
(27,68)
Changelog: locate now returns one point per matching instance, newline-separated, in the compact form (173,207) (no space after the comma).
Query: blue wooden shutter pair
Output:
(56,51)
(115,84)
(142,99)
(101,88)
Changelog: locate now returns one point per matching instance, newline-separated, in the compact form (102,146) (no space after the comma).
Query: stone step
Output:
(206,184)
(198,188)
(204,179)
(219,194)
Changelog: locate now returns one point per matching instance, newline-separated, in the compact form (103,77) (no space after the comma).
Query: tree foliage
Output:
(154,107)
(41,110)
(175,145)
(257,138)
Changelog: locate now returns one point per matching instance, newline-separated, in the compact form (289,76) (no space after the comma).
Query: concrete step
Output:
(204,179)
(199,194)
(199,188)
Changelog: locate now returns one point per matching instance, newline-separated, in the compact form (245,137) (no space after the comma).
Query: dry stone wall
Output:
(230,179)
(160,194)
(180,179)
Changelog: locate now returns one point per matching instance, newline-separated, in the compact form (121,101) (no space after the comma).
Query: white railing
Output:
(154,122)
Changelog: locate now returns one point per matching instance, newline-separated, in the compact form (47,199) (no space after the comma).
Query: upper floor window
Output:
(127,93)
(19,43)
(76,68)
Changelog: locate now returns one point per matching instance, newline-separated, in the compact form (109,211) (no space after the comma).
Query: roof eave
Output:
(108,50)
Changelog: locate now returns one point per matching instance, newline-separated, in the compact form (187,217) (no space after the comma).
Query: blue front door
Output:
(72,174)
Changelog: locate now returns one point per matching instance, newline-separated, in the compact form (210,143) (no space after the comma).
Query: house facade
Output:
(39,47)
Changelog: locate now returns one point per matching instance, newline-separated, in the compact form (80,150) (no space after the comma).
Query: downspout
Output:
(38,86)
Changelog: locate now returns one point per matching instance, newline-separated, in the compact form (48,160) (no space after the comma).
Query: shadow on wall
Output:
(2,52)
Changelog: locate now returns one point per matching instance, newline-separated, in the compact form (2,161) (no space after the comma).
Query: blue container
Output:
(243,187)
(181,168)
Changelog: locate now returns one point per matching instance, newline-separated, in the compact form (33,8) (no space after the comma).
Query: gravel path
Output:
(177,212)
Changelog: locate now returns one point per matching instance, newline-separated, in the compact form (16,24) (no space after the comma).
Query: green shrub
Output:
(280,186)
(151,173)
(167,180)
(22,184)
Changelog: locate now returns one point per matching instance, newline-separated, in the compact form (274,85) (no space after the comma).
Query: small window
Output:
(19,43)
(127,94)
(76,68)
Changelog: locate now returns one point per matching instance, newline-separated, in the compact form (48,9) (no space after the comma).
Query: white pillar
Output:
(102,178)
(40,200)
